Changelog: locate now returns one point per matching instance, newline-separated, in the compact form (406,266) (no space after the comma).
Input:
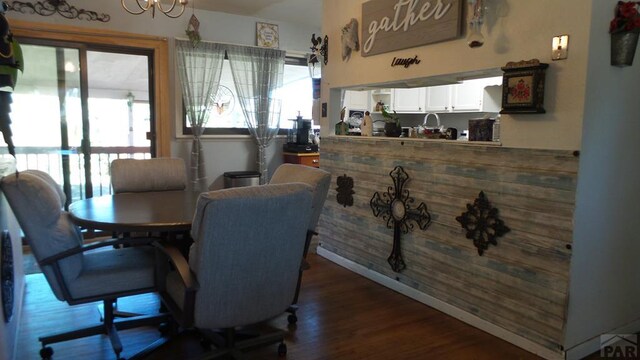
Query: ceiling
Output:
(307,12)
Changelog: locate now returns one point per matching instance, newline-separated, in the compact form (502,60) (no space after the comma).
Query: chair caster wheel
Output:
(292,319)
(282,349)
(46,353)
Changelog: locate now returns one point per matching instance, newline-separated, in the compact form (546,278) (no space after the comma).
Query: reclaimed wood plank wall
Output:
(522,283)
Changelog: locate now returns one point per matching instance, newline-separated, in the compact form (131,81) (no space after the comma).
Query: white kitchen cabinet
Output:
(468,96)
(357,100)
(438,98)
(408,100)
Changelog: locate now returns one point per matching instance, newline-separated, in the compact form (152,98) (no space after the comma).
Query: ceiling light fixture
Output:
(144,5)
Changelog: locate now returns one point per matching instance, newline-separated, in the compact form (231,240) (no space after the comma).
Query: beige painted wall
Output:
(515,30)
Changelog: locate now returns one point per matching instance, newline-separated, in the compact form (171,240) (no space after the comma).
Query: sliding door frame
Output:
(107,38)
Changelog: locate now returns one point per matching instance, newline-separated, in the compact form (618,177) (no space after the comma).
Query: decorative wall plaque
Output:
(395,207)
(482,224)
(523,87)
(267,35)
(389,25)
(345,190)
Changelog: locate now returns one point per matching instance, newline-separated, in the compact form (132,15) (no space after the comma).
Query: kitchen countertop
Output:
(387,138)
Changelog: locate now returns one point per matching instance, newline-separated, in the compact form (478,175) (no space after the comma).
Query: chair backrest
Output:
(139,175)
(36,201)
(318,179)
(242,255)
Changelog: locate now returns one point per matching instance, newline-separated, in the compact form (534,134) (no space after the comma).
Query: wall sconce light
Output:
(320,48)
(559,47)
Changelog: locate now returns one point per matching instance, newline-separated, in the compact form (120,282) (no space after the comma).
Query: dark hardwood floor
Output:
(342,316)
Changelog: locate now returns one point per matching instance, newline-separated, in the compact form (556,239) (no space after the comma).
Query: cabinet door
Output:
(438,98)
(356,100)
(408,100)
(467,96)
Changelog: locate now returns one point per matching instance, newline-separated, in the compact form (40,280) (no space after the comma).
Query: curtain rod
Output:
(293,52)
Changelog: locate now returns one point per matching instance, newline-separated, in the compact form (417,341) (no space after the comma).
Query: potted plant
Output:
(392,126)
(624,29)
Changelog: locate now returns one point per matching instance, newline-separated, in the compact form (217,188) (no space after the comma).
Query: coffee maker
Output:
(298,137)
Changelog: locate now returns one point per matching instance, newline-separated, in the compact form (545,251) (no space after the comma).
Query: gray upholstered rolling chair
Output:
(76,274)
(319,180)
(139,175)
(243,264)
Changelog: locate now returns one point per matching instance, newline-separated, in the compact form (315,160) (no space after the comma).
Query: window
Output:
(227,118)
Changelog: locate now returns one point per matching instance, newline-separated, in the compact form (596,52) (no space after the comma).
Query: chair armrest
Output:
(180,263)
(96,245)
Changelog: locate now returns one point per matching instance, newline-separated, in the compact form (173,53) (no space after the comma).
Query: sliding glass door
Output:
(78,107)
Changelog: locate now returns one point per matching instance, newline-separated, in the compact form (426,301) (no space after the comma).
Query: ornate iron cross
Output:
(482,224)
(345,190)
(395,208)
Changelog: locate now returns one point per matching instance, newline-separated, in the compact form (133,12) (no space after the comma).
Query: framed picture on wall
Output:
(267,35)
(523,87)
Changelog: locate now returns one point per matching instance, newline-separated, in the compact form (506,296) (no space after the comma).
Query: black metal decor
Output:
(482,224)
(345,190)
(395,207)
(50,7)
(320,47)
(6,276)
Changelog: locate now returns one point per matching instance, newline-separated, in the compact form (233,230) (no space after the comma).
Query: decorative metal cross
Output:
(394,206)
(482,224)
(345,190)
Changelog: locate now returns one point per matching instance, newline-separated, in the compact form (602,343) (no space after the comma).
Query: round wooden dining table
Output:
(161,211)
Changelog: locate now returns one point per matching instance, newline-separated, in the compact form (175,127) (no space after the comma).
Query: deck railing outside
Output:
(49,159)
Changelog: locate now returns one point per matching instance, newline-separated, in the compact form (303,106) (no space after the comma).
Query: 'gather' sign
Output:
(389,25)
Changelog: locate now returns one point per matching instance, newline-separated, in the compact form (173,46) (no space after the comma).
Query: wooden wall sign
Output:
(389,25)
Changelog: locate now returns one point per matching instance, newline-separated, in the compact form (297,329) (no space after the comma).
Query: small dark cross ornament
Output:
(345,190)
(7,280)
(482,224)
(395,207)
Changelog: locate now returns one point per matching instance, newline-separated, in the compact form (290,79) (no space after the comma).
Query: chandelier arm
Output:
(142,8)
(173,5)
(177,15)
